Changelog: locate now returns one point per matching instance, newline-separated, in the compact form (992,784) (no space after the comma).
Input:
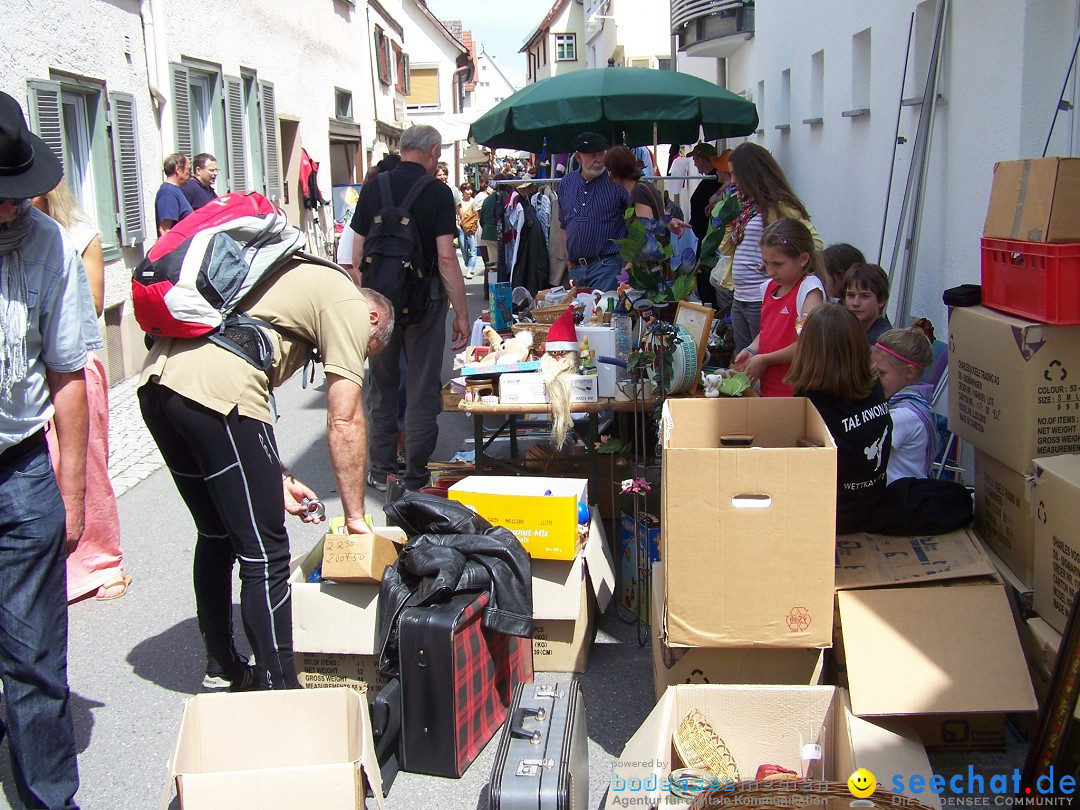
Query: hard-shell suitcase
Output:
(457,681)
(542,762)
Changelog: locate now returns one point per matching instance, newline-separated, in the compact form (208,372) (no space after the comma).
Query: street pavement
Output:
(135,661)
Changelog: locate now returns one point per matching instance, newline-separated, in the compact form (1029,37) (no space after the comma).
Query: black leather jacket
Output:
(452,549)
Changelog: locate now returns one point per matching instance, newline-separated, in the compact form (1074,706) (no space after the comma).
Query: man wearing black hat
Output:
(42,355)
(591,209)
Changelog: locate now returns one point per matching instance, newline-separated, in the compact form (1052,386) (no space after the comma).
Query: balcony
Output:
(715,28)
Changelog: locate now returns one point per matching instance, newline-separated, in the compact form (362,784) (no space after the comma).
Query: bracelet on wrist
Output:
(750,349)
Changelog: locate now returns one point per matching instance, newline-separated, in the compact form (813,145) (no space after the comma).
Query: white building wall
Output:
(491,86)
(87,40)
(570,21)
(1002,70)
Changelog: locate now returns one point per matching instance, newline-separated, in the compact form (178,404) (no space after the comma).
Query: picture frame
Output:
(697,320)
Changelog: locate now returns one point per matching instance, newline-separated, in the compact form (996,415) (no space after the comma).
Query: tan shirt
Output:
(319,304)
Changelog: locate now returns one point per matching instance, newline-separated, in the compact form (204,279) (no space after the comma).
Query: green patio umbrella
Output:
(636,106)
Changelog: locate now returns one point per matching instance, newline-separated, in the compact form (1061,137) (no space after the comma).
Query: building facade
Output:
(555,45)
(115,87)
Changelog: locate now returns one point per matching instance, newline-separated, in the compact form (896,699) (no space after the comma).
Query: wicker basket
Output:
(539,333)
(549,314)
(792,794)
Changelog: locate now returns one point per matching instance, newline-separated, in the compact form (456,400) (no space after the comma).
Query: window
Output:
(785,100)
(94,134)
(424,88)
(566,47)
(860,70)
(343,104)
(383,56)
(198,113)
(817,85)
(401,70)
(663,63)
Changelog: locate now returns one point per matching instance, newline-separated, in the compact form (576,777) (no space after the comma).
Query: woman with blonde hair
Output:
(97,564)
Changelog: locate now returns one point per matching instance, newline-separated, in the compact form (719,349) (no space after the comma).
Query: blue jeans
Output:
(33,634)
(468,249)
(600,275)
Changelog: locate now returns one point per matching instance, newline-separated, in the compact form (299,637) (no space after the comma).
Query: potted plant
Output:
(651,268)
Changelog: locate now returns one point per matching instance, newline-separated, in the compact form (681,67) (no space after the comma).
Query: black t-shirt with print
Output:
(862,431)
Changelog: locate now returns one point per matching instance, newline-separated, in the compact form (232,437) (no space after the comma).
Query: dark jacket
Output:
(451,550)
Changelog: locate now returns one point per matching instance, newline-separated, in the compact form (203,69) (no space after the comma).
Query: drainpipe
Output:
(157,66)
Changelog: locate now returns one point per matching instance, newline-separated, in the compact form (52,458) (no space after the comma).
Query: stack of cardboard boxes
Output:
(745,590)
(1014,388)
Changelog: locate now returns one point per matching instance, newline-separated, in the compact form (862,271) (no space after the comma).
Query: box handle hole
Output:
(751,501)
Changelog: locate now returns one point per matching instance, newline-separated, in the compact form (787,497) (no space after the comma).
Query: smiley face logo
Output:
(862,784)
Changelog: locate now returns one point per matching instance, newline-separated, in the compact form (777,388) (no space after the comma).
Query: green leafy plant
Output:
(662,277)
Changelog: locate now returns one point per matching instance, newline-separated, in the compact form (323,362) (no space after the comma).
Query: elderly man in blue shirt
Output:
(42,355)
(591,211)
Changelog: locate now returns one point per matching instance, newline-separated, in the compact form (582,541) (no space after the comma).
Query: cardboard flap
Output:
(648,750)
(873,560)
(599,564)
(368,761)
(928,651)
(556,588)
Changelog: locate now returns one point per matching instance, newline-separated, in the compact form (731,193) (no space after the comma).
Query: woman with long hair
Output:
(97,564)
(764,196)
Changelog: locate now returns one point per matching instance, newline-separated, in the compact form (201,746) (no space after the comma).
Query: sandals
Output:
(114,589)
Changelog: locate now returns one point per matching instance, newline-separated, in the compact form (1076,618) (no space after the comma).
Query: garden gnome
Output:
(559,363)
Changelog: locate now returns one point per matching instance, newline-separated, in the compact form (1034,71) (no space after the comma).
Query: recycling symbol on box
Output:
(1057,370)
(1041,512)
(798,619)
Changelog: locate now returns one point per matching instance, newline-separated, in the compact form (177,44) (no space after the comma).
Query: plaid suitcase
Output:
(457,682)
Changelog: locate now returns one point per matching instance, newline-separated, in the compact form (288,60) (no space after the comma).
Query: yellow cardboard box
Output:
(541,512)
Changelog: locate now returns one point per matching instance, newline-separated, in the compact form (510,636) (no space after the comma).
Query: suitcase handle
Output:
(517,724)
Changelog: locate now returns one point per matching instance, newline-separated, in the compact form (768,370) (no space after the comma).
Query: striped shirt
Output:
(591,212)
(746,269)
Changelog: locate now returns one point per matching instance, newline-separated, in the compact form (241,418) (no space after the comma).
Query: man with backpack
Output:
(404,249)
(209,410)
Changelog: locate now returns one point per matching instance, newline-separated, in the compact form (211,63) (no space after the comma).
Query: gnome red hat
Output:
(562,337)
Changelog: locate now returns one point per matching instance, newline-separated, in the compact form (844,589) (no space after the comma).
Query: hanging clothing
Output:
(309,184)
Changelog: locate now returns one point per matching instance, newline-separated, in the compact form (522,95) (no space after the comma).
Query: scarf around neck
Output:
(13,298)
(749,210)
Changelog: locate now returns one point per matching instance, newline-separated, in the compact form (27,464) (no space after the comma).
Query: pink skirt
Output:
(97,560)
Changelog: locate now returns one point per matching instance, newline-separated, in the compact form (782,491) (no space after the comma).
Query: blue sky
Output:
(499,25)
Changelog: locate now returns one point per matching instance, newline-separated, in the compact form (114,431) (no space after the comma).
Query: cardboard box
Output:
(875,560)
(1042,644)
(1035,200)
(1003,514)
(361,557)
(904,662)
(567,599)
(763,724)
(1057,537)
(541,512)
(748,533)
(501,304)
(723,665)
(331,617)
(639,548)
(1014,386)
(323,670)
(276,751)
(529,389)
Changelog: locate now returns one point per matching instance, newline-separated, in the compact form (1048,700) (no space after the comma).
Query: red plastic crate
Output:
(1037,280)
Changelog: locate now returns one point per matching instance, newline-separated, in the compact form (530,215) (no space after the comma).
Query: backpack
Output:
(393,262)
(194,277)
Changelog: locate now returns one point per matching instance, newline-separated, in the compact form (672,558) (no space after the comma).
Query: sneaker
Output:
(225,678)
(247,680)
(376,481)
(470,275)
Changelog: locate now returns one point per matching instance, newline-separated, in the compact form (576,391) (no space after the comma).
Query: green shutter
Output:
(181,106)
(236,146)
(125,148)
(46,118)
(271,156)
